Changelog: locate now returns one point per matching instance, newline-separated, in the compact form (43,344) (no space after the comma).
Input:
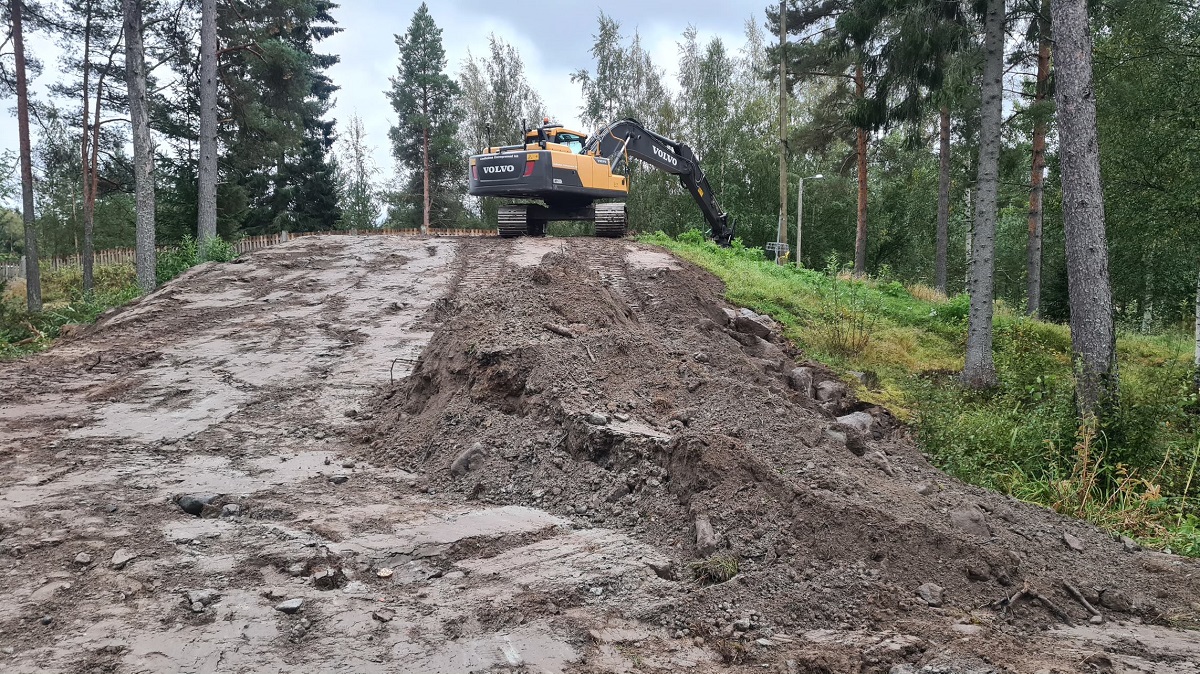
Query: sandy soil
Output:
(485,455)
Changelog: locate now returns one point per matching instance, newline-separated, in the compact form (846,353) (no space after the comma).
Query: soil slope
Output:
(439,455)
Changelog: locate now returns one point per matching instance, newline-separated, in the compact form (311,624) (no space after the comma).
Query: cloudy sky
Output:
(553,36)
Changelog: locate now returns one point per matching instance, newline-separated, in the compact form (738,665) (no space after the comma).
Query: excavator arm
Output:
(627,137)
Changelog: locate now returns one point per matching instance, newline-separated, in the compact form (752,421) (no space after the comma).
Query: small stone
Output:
(231,510)
(880,461)
(193,504)
(597,591)
(621,417)
(617,493)
(1096,620)
(764,642)
(970,520)
(701,357)
(1115,600)
(664,569)
(742,624)
(932,594)
(121,557)
(383,615)
(830,391)
(860,421)
(1072,542)
(197,607)
(202,597)
(290,606)
(468,459)
(347,464)
(46,620)
(83,559)
(351,413)
(927,488)
(339,479)
(384,573)
(296,569)
(1129,544)
(596,419)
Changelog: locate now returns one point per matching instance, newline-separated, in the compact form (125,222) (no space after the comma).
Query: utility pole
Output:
(782,237)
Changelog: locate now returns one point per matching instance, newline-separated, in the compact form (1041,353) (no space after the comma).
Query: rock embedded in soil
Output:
(83,559)
(231,510)
(970,520)
(383,615)
(329,579)
(596,419)
(1072,542)
(859,421)
(1129,545)
(202,597)
(121,557)
(1116,600)
(830,391)
(339,479)
(290,606)
(465,461)
(932,594)
(801,379)
(707,541)
(193,504)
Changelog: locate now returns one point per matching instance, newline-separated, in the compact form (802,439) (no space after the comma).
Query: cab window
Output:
(573,141)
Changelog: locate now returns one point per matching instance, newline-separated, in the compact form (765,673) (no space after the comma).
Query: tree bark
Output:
(979,370)
(425,177)
(1033,263)
(1196,377)
(1093,336)
(943,214)
(33,275)
(85,154)
(860,239)
(143,148)
(206,174)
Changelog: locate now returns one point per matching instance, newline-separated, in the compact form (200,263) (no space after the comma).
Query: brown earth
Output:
(474,455)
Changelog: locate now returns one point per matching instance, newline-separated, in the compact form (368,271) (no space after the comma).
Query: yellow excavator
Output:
(570,173)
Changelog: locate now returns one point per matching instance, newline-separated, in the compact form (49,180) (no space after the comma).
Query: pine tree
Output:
(33,286)
(425,139)
(143,147)
(1093,334)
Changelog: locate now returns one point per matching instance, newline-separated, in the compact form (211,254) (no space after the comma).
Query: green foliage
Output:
(715,569)
(425,99)
(1136,475)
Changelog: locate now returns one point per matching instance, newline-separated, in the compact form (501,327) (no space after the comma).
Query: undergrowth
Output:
(1136,474)
(64,302)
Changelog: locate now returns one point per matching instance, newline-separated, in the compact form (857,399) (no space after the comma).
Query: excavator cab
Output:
(555,133)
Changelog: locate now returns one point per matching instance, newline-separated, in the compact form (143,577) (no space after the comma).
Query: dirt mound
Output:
(610,384)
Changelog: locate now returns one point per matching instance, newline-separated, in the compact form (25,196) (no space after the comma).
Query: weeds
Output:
(715,569)
(846,312)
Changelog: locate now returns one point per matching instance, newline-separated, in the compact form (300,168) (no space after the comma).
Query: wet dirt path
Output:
(247,382)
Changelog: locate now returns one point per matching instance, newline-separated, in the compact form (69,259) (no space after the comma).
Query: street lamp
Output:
(800,213)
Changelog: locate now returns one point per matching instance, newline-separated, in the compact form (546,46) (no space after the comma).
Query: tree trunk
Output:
(206,174)
(425,179)
(1197,362)
(33,275)
(979,370)
(1093,337)
(85,154)
(943,214)
(143,148)
(1033,263)
(860,239)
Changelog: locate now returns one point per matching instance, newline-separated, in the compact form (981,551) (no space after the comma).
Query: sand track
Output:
(401,421)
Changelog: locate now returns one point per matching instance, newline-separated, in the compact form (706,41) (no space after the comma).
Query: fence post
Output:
(283,236)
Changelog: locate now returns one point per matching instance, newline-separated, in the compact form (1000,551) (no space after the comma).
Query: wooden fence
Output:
(244,245)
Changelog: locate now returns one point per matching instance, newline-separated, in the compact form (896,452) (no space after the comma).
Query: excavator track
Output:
(512,221)
(611,220)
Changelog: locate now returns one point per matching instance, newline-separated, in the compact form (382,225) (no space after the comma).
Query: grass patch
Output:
(715,569)
(1136,475)
(64,301)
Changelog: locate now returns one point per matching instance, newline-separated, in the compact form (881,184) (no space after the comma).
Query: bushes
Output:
(190,253)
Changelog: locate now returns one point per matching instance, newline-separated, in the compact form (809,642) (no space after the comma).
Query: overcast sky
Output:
(553,38)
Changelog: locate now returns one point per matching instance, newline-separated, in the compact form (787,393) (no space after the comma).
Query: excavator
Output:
(570,173)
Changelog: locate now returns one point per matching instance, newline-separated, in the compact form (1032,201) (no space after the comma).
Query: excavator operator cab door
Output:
(573,141)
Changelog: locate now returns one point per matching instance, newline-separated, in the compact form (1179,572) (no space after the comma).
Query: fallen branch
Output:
(589,353)
(1078,596)
(1028,592)
(39,333)
(559,330)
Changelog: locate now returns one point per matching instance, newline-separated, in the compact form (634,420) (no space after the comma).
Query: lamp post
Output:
(800,213)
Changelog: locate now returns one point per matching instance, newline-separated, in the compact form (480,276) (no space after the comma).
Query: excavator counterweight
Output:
(569,173)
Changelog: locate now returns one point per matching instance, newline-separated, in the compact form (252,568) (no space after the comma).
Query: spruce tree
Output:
(425,139)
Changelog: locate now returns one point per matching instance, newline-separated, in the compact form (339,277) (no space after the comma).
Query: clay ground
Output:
(485,455)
